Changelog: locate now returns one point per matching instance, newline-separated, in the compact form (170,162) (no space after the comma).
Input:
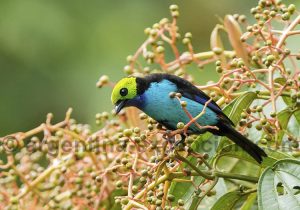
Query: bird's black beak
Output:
(120,105)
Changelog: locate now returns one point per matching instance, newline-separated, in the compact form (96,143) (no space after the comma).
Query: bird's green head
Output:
(123,91)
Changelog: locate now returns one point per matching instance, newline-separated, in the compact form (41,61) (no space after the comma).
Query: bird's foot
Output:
(170,137)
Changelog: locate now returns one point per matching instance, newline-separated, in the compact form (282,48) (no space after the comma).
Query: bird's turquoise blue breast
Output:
(168,111)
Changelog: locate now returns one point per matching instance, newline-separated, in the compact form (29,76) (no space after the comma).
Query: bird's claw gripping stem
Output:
(170,137)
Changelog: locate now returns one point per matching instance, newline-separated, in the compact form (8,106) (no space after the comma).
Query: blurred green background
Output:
(53,52)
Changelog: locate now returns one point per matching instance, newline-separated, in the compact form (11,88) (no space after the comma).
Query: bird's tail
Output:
(252,149)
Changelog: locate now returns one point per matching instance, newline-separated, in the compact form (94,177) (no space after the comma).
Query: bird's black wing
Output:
(190,91)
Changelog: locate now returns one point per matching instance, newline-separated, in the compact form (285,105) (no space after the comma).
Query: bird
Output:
(152,95)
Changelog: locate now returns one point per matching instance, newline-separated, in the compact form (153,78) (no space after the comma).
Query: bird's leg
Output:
(169,137)
(181,141)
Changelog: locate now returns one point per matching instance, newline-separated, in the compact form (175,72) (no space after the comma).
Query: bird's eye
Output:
(123,91)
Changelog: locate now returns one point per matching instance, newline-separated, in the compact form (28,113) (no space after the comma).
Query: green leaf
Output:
(250,202)
(297,114)
(228,201)
(242,102)
(284,118)
(287,100)
(277,155)
(109,203)
(220,189)
(234,151)
(273,157)
(278,186)
(234,110)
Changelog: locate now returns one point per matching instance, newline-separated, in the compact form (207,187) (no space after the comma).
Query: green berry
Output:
(263,141)
(129,165)
(180,125)
(179,95)
(242,122)
(14,200)
(205,156)
(273,114)
(98,179)
(143,180)
(137,139)
(255,58)
(186,40)
(258,127)
(172,94)
(217,50)
(171,197)
(144,172)
(119,184)
(295,144)
(263,121)
(158,202)
(219,69)
(160,49)
(188,35)
(173,7)
(183,103)
(125,201)
(259,109)
(270,58)
(180,202)
(175,14)
(272,13)
(124,161)
(286,16)
(291,8)
(218,63)
(127,132)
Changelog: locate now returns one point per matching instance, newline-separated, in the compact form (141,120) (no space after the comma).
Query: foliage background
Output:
(52,52)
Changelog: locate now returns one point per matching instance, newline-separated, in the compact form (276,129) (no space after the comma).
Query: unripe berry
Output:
(183,103)
(295,144)
(160,49)
(270,58)
(173,7)
(219,69)
(127,132)
(119,184)
(125,201)
(286,16)
(258,127)
(186,41)
(273,114)
(217,50)
(188,35)
(263,141)
(180,125)
(218,63)
(291,8)
(171,197)
(180,202)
